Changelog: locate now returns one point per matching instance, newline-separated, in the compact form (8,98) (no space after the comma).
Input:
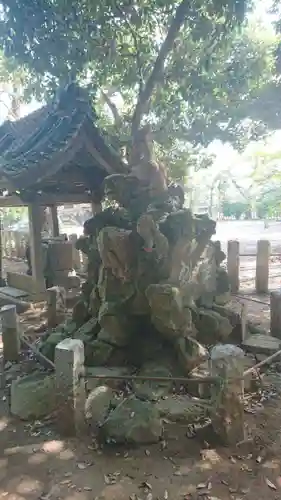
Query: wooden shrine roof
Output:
(56,149)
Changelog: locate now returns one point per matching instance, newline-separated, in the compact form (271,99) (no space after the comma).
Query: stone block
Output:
(60,255)
(262,344)
(179,408)
(70,386)
(33,396)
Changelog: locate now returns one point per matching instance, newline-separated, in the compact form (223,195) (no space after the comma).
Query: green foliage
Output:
(185,75)
(13,214)
(235,209)
(55,37)
(269,203)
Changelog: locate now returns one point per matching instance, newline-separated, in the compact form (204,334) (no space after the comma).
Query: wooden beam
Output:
(46,200)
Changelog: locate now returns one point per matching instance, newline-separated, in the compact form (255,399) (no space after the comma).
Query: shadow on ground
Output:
(36,464)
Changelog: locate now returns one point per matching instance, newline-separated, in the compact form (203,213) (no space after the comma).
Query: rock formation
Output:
(153,278)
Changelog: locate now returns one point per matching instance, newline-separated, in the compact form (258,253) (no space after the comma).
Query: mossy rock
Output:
(133,422)
(48,346)
(33,396)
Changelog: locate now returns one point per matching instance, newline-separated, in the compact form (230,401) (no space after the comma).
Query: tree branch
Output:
(113,109)
(134,37)
(158,69)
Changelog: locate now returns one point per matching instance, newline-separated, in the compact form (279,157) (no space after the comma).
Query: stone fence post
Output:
(227,363)
(56,306)
(70,387)
(10,333)
(262,266)
(233,264)
(275,314)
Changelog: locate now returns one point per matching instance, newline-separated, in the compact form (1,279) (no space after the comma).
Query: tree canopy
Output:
(182,66)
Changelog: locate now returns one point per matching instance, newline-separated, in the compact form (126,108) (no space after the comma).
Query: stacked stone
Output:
(153,279)
(152,303)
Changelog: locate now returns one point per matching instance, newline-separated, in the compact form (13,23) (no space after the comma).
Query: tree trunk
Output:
(158,69)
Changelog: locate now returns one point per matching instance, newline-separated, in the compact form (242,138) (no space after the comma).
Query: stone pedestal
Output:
(70,387)
(60,255)
(227,363)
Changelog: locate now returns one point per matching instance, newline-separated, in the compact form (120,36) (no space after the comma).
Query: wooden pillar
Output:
(262,266)
(2,281)
(35,226)
(55,220)
(275,314)
(233,264)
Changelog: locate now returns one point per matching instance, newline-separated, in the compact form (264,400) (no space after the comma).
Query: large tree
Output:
(178,65)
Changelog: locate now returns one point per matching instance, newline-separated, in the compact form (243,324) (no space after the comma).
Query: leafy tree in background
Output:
(167,60)
(184,67)
(235,209)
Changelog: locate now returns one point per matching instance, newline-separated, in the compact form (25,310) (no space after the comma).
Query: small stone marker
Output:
(56,306)
(10,333)
(227,415)
(70,386)
(275,314)
(262,344)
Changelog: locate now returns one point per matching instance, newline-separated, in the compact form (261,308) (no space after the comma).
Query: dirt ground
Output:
(36,464)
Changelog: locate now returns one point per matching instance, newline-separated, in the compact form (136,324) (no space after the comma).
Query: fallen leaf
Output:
(146,485)
(270,484)
(82,465)
(200,486)
(182,471)
(147,452)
